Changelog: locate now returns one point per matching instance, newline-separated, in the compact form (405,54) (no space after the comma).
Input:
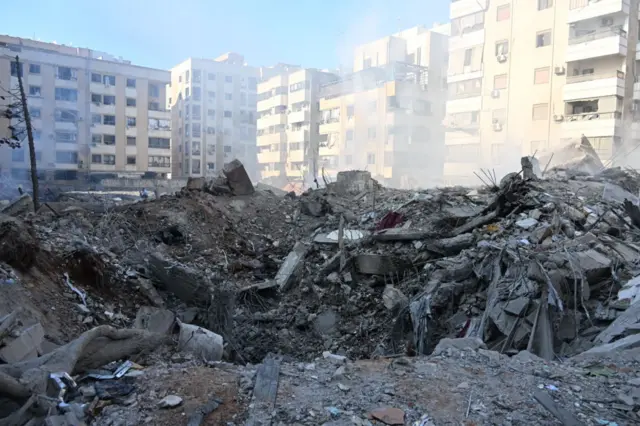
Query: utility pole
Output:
(629,78)
(32,148)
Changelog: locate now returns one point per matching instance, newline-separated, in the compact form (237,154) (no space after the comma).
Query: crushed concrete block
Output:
(196,183)
(154,319)
(237,178)
(400,234)
(627,319)
(394,298)
(527,223)
(316,207)
(471,343)
(19,206)
(517,306)
(354,182)
(594,264)
(349,235)
(378,264)
(24,347)
(629,342)
(291,266)
(452,246)
(201,342)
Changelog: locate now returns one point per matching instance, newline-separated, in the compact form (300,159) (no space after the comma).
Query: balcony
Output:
(102,89)
(593,86)
(297,135)
(467,73)
(100,108)
(460,8)
(272,120)
(472,37)
(329,127)
(581,10)
(270,157)
(298,116)
(601,42)
(592,124)
(271,102)
(465,104)
(162,114)
(271,138)
(296,156)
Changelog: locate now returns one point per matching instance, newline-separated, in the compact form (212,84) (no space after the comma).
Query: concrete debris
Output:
(393,298)
(170,401)
(291,266)
(24,347)
(237,178)
(201,342)
(18,207)
(155,320)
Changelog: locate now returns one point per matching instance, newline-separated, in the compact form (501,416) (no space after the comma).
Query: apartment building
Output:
(92,113)
(387,116)
(525,77)
(288,120)
(213,103)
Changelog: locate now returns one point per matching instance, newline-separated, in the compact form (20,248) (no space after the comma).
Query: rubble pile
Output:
(539,264)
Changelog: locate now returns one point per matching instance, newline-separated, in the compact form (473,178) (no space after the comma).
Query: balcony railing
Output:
(598,34)
(594,116)
(597,76)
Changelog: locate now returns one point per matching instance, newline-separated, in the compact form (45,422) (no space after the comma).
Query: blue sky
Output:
(162,33)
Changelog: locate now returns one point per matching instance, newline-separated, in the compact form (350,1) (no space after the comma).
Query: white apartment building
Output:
(213,103)
(92,113)
(288,120)
(525,77)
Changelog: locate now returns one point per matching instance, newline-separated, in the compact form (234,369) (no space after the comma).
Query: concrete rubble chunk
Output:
(452,246)
(170,401)
(378,264)
(393,298)
(201,342)
(627,319)
(154,319)
(291,266)
(465,343)
(400,234)
(527,223)
(629,342)
(19,206)
(354,182)
(238,179)
(24,347)
(195,183)
(594,264)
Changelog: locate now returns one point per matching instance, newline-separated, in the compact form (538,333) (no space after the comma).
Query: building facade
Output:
(525,77)
(387,116)
(91,113)
(213,104)
(288,120)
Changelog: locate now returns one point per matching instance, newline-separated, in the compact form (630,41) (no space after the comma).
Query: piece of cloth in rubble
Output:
(390,220)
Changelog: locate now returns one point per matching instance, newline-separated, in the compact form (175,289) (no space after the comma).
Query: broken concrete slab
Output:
(291,266)
(354,182)
(400,234)
(154,319)
(25,347)
(464,343)
(19,206)
(377,264)
(452,246)
(201,342)
(627,319)
(238,179)
(349,235)
(195,183)
(316,207)
(527,223)
(594,265)
(393,298)
(629,342)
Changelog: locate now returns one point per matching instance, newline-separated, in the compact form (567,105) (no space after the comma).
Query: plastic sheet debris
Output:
(76,290)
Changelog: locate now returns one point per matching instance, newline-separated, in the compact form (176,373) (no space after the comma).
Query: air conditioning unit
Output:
(560,70)
(497,127)
(558,117)
(495,94)
(501,58)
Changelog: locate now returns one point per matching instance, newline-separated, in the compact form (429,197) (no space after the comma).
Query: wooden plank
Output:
(558,412)
(265,392)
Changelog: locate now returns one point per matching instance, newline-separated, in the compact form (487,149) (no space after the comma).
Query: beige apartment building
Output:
(387,116)
(288,120)
(92,113)
(525,77)
(213,103)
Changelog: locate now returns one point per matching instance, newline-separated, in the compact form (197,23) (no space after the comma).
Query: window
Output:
(96,139)
(159,161)
(500,81)
(154,90)
(197,76)
(159,124)
(350,111)
(109,120)
(109,80)
(196,110)
(467,24)
(16,69)
(211,112)
(66,116)
(35,112)
(228,79)
(96,158)
(66,137)
(197,94)
(163,143)
(109,100)
(295,146)
(211,94)
(543,38)
(196,130)
(503,12)
(66,73)
(131,122)
(154,106)
(67,157)
(187,76)
(371,158)
(96,118)
(228,96)
(211,166)
(34,91)
(195,166)
(131,82)
(468,55)
(131,160)
(187,93)
(540,111)
(96,99)
(195,148)
(544,4)
(131,141)
(541,75)
(502,47)
(109,139)
(227,149)
(227,114)
(17,155)
(371,132)
(211,76)
(211,130)
(96,78)
(34,69)
(109,159)
(243,98)
(69,95)
(131,102)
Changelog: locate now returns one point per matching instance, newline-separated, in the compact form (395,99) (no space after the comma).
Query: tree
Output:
(18,112)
